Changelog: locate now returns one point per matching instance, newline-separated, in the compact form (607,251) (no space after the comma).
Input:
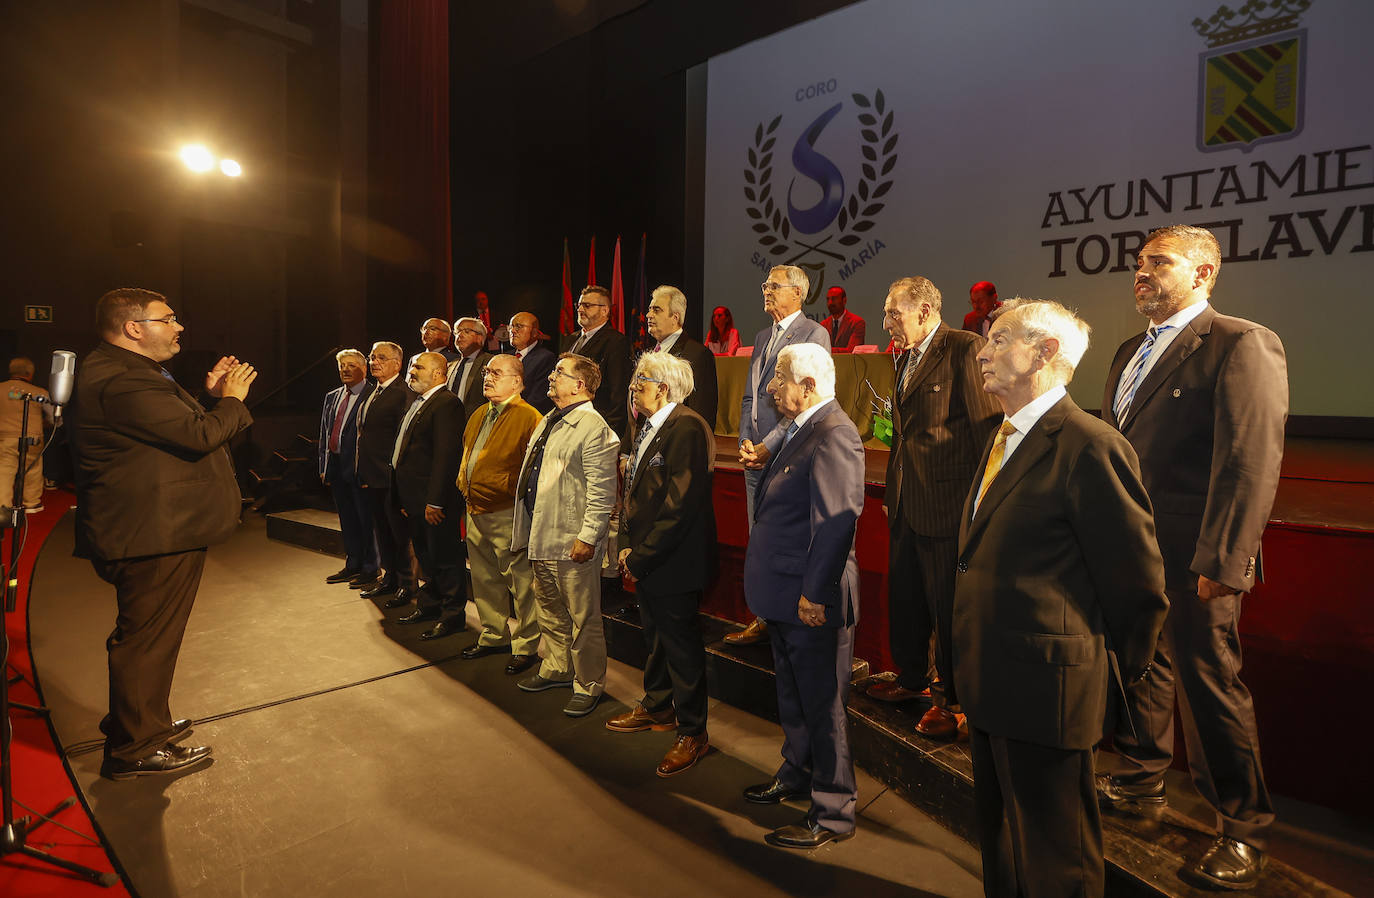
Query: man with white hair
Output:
(801,577)
(664,318)
(668,529)
(1060,589)
(338,466)
(465,374)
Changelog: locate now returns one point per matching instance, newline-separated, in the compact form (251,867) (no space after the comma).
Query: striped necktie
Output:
(999,452)
(639,442)
(912,360)
(1131,382)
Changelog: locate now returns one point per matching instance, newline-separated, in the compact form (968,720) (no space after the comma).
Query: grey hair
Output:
(476,323)
(339,356)
(677,302)
(796,277)
(669,370)
(1042,319)
(810,360)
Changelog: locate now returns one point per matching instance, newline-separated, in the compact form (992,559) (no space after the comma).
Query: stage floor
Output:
(352,759)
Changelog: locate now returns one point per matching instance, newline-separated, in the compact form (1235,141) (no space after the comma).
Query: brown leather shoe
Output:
(756,632)
(684,754)
(892,691)
(637,720)
(941,723)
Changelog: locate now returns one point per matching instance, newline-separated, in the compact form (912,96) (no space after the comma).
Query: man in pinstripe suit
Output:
(941,420)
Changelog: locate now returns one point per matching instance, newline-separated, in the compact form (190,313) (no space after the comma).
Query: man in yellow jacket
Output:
(493,449)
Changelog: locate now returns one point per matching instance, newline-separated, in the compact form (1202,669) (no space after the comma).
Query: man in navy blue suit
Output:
(339,469)
(801,577)
(759,431)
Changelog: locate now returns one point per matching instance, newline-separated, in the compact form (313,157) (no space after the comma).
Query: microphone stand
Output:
(14,835)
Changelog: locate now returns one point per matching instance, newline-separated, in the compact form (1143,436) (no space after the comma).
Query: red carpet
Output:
(39,776)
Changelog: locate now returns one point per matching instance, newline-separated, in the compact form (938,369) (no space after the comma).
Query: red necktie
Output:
(338,421)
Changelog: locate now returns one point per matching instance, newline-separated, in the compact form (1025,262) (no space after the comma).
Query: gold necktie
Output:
(999,449)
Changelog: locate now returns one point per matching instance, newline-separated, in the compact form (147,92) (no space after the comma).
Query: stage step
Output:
(1143,858)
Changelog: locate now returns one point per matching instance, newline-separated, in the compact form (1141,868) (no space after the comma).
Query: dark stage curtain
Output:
(410,130)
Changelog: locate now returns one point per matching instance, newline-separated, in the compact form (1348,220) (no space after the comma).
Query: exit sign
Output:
(38,314)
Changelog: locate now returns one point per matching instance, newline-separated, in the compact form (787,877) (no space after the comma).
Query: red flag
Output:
(567,317)
(641,296)
(591,263)
(617,292)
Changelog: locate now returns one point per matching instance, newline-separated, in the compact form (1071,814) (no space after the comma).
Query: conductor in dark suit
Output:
(537,361)
(1058,570)
(667,529)
(801,577)
(664,319)
(429,448)
(154,486)
(338,455)
(599,341)
(378,422)
(1203,398)
(941,420)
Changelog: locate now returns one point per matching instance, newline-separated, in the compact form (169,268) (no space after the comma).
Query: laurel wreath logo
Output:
(858,215)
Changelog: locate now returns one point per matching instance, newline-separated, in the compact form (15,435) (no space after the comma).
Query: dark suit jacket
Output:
(806,509)
(427,470)
(939,427)
(472,397)
(377,425)
(1207,422)
(846,330)
(1060,558)
(610,349)
(348,435)
(538,364)
(758,414)
(668,522)
(974,322)
(705,392)
(153,472)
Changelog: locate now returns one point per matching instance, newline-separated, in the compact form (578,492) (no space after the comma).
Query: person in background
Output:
(11,424)
(846,329)
(982,296)
(722,338)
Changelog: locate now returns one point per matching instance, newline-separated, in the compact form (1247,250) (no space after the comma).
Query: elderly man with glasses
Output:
(783,294)
(465,373)
(494,447)
(537,361)
(609,348)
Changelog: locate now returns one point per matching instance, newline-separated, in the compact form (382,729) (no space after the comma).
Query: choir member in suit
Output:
(537,361)
(599,341)
(801,577)
(1203,398)
(338,468)
(664,319)
(1060,586)
(667,530)
(378,423)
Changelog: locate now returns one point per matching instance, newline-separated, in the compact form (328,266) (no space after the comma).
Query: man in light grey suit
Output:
(563,502)
(759,420)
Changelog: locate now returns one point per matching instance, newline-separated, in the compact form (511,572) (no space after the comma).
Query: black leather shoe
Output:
(365,580)
(180,730)
(341,575)
(168,759)
(481,651)
(407,593)
(418,617)
(1137,799)
(772,793)
(1229,864)
(444,628)
(521,663)
(805,835)
(396,601)
(379,589)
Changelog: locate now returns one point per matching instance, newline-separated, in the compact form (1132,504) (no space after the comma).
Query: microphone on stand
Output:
(61,379)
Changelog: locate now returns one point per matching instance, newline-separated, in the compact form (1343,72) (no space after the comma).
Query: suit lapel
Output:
(654,442)
(1184,345)
(789,447)
(1037,442)
(927,361)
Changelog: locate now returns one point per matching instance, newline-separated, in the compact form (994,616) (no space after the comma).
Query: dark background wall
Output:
(585,137)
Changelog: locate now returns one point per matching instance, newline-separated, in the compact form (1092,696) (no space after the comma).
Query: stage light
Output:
(230,168)
(197,157)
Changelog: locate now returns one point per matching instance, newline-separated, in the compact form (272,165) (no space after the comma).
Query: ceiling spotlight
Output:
(197,157)
(230,168)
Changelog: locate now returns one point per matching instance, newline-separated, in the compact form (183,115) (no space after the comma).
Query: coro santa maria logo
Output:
(798,201)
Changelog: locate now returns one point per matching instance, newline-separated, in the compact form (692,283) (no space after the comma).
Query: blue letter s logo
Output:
(818,168)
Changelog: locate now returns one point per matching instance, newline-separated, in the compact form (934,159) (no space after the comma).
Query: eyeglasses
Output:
(432,327)
(166,319)
(519,327)
(559,372)
(592,305)
(381,358)
(640,380)
(493,372)
(468,330)
(770,287)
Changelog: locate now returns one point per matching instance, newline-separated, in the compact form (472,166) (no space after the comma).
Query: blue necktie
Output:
(791,432)
(1131,383)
